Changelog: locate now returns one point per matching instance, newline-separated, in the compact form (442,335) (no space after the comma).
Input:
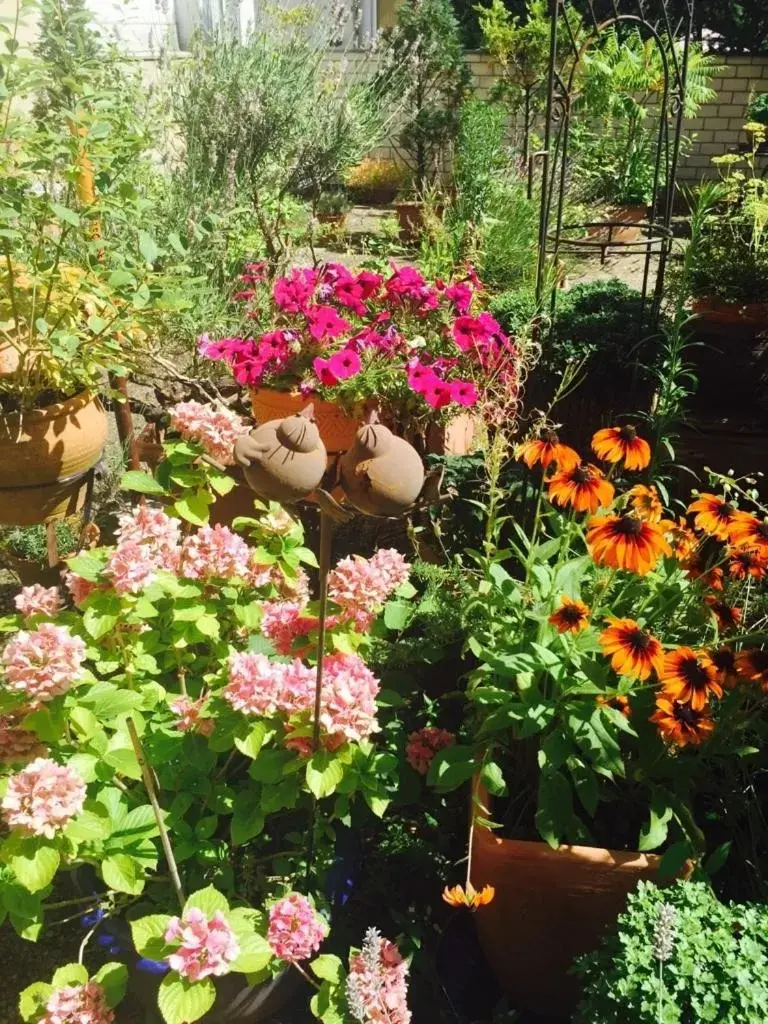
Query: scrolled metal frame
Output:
(656,233)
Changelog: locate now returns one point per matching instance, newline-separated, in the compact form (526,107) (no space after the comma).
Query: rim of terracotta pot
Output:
(54,411)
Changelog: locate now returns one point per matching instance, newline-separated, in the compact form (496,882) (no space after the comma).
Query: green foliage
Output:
(713,969)
(426,47)
(31,542)
(758,108)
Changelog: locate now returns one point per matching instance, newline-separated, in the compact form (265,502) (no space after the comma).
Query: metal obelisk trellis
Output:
(568,44)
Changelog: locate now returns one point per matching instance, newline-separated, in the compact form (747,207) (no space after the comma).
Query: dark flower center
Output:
(627,433)
(549,436)
(639,640)
(571,614)
(726,510)
(759,660)
(723,659)
(629,526)
(581,475)
(763,529)
(693,673)
(687,716)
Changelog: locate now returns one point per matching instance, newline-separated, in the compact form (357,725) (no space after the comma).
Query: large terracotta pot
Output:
(337,428)
(625,226)
(410,217)
(45,456)
(31,572)
(717,311)
(550,907)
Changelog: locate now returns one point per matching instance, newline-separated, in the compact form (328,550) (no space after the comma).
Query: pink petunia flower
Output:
(296,930)
(325,374)
(38,600)
(42,798)
(460,294)
(207,946)
(436,393)
(421,377)
(43,663)
(344,364)
(424,744)
(463,392)
(325,322)
(78,1004)
(293,294)
(377,984)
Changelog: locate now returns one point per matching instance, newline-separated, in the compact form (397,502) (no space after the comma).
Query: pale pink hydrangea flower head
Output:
(424,744)
(153,529)
(17,745)
(189,718)
(284,622)
(348,699)
(42,798)
(38,600)
(360,586)
(131,566)
(296,930)
(216,429)
(258,686)
(43,663)
(79,589)
(206,945)
(377,984)
(78,1004)
(215,552)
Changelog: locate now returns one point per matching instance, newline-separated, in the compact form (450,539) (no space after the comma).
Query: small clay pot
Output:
(283,460)
(381,475)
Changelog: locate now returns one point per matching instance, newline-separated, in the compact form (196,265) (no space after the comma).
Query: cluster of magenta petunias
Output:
(360,334)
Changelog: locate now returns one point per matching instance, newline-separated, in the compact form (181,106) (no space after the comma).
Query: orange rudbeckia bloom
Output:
(689,677)
(683,540)
(616,443)
(747,531)
(714,515)
(633,651)
(728,617)
(724,660)
(626,542)
(752,664)
(546,450)
(747,563)
(646,502)
(583,487)
(571,617)
(458,896)
(680,723)
(620,702)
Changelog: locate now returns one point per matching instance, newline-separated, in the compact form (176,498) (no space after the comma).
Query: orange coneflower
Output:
(727,616)
(752,664)
(689,677)
(710,579)
(626,542)
(571,617)
(747,531)
(620,702)
(680,723)
(458,896)
(547,450)
(746,563)
(645,501)
(633,651)
(616,443)
(583,487)
(724,660)
(683,540)
(714,515)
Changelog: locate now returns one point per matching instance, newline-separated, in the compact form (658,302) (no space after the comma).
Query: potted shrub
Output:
(24,550)
(164,750)
(610,683)
(376,181)
(421,352)
(331,208)
(72,289)
(678,955)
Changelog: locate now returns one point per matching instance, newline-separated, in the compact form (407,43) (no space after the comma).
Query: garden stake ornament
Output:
(382,476)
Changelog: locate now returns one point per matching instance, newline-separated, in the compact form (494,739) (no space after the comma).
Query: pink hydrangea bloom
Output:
(189,719)
(43,663)
(42,798)
(38,600)
(17,745)
(258,686)
(283,622)
(377,984)
(215,552)
(153,529)
(362,585)
(206,945)
(296,930)
(215,429)
(424,744)
(78,1004)
(131,566)
(79,589)
(348,699)
(292,588)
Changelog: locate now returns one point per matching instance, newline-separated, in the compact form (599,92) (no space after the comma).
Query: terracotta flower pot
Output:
(45,456)
(718,311)
(550,907)
(337,219)
(410,217)
(337,428)
(30,571)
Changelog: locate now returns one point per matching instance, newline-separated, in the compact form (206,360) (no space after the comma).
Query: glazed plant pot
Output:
(337,428)
(45,456)
(550,907)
